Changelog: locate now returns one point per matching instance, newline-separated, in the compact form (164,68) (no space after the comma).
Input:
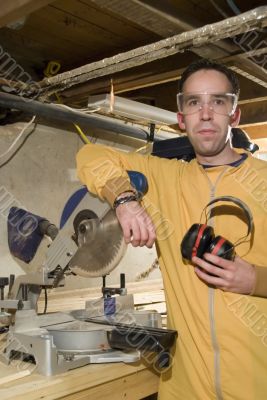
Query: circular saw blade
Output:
(101,246)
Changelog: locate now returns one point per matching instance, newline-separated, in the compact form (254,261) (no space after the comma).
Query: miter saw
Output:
(89,243)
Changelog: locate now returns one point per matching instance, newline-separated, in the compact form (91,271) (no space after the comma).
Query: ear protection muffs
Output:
(201,239)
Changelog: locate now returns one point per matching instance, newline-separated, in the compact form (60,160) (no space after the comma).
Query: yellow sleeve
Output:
(104,170)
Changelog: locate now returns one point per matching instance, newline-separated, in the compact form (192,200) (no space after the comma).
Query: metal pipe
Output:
(60,113)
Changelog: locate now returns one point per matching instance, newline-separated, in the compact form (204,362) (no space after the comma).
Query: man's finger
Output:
(136,234)
(144,234)
(127,233)
(208,268)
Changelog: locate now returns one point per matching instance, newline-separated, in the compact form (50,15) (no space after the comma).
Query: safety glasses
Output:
(220,103)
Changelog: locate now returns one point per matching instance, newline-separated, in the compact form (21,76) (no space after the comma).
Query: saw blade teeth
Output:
(99,255)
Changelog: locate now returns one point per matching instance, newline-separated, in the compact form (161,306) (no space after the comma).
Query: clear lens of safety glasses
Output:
(220,103)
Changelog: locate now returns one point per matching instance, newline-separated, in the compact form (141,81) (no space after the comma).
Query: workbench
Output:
(96,381)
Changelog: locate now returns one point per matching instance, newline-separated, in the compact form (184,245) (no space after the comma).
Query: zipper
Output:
(214,341)
(211,301)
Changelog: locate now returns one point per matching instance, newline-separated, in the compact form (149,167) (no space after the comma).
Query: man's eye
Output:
(219,102)
(192,102)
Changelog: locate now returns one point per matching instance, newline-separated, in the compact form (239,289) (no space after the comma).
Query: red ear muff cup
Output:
(221,248)
(196,240)
(200,238)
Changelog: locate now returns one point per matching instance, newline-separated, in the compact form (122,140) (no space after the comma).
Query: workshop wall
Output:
(40,177)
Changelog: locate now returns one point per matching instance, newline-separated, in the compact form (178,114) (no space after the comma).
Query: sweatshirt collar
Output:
(236,163)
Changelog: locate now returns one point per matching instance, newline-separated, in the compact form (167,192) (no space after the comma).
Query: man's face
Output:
(207,130)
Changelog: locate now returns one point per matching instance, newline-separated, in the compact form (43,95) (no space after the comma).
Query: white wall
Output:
(41,177)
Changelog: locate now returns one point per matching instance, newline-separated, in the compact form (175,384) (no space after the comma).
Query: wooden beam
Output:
(159,50)
(143,78)
(253,113)
(257,131)
(13,10)
(252,71)
(122,84)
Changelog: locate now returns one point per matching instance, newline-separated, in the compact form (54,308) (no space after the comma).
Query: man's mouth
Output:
(206,131)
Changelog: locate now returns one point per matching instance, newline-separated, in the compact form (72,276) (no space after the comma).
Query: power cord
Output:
(6,153)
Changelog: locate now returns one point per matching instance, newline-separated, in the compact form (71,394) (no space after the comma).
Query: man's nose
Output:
(206,112)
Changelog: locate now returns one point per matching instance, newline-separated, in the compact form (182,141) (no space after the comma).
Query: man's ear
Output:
(235,118)
(180,119)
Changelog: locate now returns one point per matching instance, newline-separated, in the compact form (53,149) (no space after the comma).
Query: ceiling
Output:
(103,35)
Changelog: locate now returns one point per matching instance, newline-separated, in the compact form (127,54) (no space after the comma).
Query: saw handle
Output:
(138,181)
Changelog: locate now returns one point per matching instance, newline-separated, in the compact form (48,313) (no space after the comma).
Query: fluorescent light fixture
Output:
(134,110)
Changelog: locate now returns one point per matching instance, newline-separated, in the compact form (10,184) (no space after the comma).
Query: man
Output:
(218,306)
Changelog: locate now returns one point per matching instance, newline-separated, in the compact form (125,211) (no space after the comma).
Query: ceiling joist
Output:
(249,21)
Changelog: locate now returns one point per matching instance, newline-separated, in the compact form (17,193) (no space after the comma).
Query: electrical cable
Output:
(219,9)
(81,110)
(17,139)
(45,300)
(147,146)
(6,153)
(233,6)
(144,274)
(82,134)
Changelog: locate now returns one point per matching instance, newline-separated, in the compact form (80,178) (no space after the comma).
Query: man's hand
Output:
(138,228)
(236,276)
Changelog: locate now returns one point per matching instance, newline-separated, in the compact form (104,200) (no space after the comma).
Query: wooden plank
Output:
(77,384)
(162,17)
(76,32)
(147,292)
(13,10)
(94,20)
(159,307)
(149,297)
(14,376)
(132,287)
(40,45)
(132,387)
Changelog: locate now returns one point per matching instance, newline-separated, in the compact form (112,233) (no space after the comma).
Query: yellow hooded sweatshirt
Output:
(221,350)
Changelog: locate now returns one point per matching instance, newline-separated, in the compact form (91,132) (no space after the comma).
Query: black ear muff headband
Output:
(239,203)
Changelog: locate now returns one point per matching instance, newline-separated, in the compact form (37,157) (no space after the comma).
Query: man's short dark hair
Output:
(204,63)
